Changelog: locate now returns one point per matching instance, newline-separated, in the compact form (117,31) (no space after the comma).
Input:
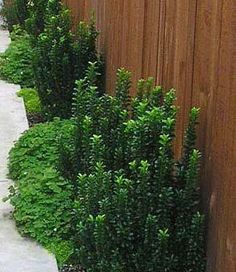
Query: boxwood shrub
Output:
(60,58)
(137,207)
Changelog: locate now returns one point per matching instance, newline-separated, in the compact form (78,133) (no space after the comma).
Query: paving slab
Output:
(17,254)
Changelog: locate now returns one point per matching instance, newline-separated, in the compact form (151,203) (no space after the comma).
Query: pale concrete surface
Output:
(17,254)
(12,121)
(4,40)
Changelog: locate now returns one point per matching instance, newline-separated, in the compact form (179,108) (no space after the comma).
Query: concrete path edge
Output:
(17,254)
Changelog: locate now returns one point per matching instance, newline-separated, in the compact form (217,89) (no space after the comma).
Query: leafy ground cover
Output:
(16,61)
(41,196)
(32,105)
(31,100)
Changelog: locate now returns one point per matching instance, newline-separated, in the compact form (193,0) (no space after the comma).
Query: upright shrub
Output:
(37,13)
(14,12)
(53,65)
(137,209)
(22,11)
(60,58)
(8,14)
(85,49)
(50,57)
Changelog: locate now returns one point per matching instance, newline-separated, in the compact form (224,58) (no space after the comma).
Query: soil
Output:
(34,118)
(71,268)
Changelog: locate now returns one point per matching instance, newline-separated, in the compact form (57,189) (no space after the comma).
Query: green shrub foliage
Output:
(14,12)
(60,58)
(39,12)
(22,11)
(8,14)
(49,56)
(85,50)
(36,20)
(53,65)
(42,199)
(137,209)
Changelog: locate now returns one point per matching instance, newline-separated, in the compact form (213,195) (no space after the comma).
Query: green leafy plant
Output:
(121,200)
(49,56)
(31,100)
(137,208)
(14,12)
(85,51)
(52,65)
(22,11)
(60,58)
(8,14)
(16,61)
(42,199)
(38,13)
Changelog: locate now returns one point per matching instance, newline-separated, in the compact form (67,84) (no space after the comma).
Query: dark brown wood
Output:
(189,45)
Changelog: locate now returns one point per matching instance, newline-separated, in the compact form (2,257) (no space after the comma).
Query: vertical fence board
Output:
(150,39)
(114,30)
(206,63)
(77,9)
(132,38)
(223,149)
(181,73)
(160,41)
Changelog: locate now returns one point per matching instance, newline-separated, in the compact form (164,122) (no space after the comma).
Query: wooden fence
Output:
(189,45)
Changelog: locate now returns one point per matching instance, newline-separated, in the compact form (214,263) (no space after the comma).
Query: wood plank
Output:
(132,38)
(77,9)
(213,91)
(113,42)
(151,38)
(223,141)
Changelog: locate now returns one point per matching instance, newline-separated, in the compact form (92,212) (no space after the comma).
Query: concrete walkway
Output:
(17,254)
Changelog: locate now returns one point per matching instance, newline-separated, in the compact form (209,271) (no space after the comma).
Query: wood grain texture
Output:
(77,8)
(189,45)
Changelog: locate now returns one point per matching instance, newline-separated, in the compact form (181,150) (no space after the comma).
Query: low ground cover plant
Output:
(32,105)
(16,61)
(41,197)
(31,99)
